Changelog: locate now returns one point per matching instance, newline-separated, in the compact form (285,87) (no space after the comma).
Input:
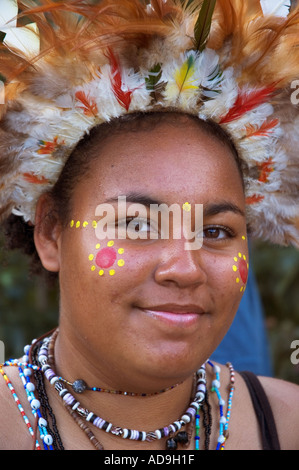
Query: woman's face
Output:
(151,305)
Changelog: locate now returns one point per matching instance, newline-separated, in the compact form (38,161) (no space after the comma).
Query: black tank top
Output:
(263,411)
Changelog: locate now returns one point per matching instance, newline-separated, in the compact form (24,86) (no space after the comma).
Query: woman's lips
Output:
(175,315)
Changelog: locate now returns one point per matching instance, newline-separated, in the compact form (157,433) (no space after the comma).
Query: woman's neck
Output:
(145,413)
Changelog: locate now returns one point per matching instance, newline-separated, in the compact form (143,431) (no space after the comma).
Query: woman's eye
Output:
(217,233)
(138,227)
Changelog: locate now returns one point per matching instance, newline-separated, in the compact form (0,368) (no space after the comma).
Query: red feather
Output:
(89,105)
(123,97)
(31,178)
(255,199)
(246,102)
(263,130)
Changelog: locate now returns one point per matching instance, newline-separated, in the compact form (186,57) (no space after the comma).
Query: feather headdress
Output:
(75,64)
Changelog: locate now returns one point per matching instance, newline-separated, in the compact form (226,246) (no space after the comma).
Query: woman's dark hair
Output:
(19,235)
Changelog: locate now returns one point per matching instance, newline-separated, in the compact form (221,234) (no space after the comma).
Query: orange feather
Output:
(263,130)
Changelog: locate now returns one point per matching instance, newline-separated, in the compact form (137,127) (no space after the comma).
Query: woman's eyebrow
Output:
(224,206)
(208,209)
(136,198)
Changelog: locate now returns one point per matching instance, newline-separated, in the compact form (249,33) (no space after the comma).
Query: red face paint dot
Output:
(243,270)
(106,258)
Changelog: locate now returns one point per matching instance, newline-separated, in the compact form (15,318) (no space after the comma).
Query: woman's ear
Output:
(47,233)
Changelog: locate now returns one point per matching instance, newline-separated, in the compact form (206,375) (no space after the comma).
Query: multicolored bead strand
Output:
(197,429)
(29,387)
(215,388)
(25,370)
(229,402)
(16,399)
(80,386)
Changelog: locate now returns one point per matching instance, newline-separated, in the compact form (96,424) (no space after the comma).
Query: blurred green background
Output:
(28,308)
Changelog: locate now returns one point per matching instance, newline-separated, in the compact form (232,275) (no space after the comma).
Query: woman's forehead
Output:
(168,160)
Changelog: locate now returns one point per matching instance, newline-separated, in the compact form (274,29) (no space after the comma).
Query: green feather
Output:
(153,82)
(154,76)
(203,24)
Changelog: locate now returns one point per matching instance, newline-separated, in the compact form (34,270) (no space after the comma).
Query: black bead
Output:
(171,444)
(182,437)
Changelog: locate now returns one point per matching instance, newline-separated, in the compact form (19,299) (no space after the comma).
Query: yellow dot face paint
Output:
(107,258)
(186,207)
(241,267)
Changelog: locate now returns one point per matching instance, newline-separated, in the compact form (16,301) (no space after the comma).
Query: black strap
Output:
(263,411)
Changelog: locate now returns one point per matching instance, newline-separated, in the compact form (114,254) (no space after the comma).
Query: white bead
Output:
(26,349)
(30,387)
(221,439)
(158,434)
(221,402)
(216,383)
(27,372)
(125,433)
(54,379)
(89,416)
(48,439)
(42,357)
(109,427)
(200,396)
(35,404)
(217,369)
(223,420)
(42,422)
(202,387)
(143,433)
(195,404)
(186,418)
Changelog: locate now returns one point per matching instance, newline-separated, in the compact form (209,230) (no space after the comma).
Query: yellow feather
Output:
(184,76)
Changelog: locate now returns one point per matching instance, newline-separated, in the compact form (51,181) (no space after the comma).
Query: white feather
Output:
(25,38)
(276,7)
(9,10)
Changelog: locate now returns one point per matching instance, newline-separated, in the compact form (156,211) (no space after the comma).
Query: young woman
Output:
(141,307)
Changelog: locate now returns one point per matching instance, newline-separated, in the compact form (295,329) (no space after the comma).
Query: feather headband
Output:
(75,65)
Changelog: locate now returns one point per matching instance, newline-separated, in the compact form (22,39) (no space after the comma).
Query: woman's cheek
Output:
(240,268)
(107,259)
(228,275)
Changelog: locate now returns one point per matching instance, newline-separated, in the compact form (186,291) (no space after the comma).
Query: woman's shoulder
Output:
(14,411)
(283,397)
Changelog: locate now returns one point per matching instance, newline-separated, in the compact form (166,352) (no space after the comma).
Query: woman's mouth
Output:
(183,316)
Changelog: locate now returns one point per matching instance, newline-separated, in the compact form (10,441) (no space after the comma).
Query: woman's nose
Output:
(180,266)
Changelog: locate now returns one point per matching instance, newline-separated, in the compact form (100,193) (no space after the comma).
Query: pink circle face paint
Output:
(106,257)
(243,270)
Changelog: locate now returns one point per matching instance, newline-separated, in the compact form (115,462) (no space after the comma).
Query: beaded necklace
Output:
(108,427)
(43,366)
(25,371)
